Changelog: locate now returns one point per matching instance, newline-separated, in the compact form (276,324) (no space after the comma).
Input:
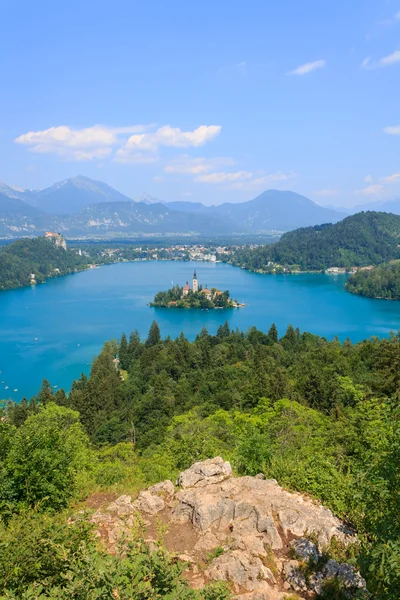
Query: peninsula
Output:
(194,297)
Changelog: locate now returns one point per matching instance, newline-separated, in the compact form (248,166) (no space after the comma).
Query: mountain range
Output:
(82,207)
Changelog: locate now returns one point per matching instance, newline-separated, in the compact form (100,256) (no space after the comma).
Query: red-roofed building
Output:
(186,290)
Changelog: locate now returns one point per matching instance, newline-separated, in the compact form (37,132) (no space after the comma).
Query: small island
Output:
(194,297)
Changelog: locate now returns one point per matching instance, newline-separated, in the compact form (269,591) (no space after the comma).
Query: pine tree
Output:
(123,353)
(154,335)
(273,333)
(45,394)
(290,338)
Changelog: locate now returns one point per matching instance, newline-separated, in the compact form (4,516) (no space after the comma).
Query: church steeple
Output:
(195,282)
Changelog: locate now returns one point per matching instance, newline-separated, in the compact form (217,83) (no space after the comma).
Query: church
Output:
(195,286)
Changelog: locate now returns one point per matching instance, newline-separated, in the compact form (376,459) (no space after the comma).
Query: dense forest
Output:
(39,256)
(367,238)
(175,298)
(382,281)
(321,417)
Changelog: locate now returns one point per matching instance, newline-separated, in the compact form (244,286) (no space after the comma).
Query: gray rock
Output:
(244,571)
(330,569)
(164,488)
(294,577)
(213,470)
(350,578)
(149,503)
(305,550)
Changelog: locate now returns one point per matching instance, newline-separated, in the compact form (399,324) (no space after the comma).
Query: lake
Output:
(54,330)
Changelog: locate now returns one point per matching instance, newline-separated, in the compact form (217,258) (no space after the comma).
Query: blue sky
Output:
(206,101)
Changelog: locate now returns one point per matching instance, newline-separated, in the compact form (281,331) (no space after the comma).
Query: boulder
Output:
(244,571)
(305,550)
(350,578)
(149,503)
(203,473)
(294,577)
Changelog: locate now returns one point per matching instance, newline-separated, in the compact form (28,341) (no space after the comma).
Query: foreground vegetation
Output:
(367,238)
(381,282)
(39,256)
(321,417)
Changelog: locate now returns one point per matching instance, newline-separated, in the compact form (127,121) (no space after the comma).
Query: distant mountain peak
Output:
(147,199)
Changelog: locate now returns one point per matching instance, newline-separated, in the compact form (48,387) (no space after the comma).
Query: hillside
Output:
(41,257)
(359,240)
(381,282)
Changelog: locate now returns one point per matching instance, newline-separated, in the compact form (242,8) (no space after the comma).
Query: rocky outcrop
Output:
(245,531)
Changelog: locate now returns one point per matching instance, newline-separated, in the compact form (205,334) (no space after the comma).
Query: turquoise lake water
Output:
(72,316)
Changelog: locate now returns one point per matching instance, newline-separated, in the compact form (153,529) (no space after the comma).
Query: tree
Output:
(123,353)
(45,455)
(273,333)
(154,335)
(290,338)
(45,394)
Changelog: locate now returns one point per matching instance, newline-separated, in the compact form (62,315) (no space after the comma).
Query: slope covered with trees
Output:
(381,282)
(367,238)
(39,256)
(321,417)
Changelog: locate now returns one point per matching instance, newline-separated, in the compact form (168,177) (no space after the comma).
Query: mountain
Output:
(271,210)
(11,191)
(390,206)
(137,217)
(363,239)
(81,206)
(72,195)
(19,218)
(279,210)
(147,199)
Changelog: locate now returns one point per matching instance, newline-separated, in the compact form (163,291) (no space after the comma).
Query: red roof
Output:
(187,287)
(205,291)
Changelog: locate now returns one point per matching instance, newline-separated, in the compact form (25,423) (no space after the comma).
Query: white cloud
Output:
(167,136)
(308,67)
(371,190)
(365,62)
(385,61)
(395,178)
(99,141)
(393,130)
(187,194)
(77,144)
(368,179)
(391,59)
(327,192)
(243,180)
(263,181)
(223,177)
(197,166)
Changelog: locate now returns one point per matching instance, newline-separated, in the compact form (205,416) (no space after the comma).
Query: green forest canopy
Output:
(382,281)
(321,417)
(367,238)
(39,256)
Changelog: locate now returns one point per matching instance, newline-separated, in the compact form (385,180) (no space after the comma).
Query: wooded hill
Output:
(40,257)
(382,281)
(367,238)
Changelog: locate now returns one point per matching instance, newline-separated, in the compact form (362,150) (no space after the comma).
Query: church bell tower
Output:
(195,283)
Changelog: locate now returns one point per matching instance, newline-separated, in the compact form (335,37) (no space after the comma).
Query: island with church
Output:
(194,297)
